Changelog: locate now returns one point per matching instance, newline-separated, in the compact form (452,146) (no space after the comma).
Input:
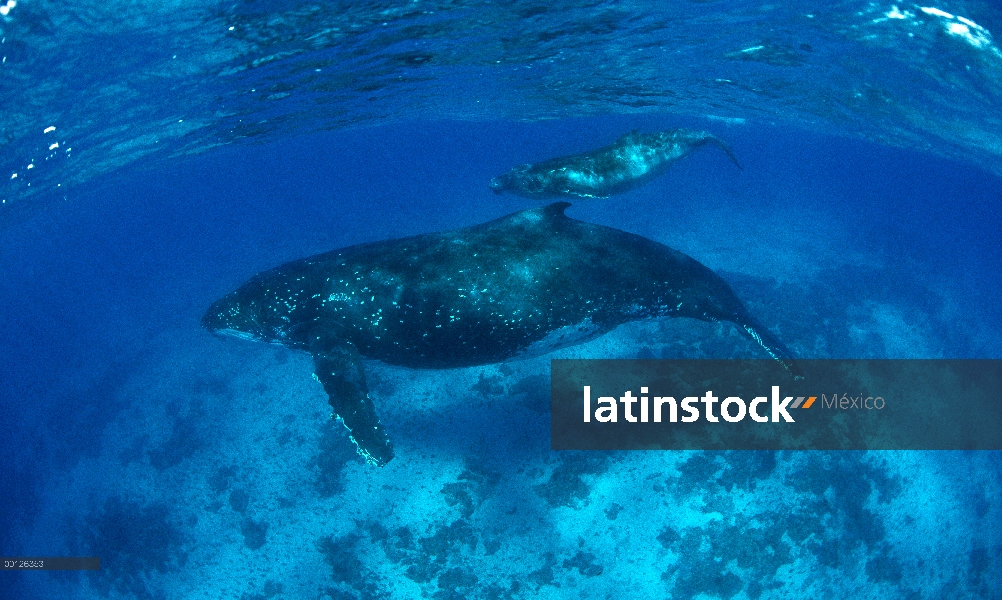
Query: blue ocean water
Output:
(861,226)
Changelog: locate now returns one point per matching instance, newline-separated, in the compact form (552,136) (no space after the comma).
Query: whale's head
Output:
(501,183)
(523,180)
(232,316)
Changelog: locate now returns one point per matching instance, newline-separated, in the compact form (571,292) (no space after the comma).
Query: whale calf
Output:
(522,285)
(633,160)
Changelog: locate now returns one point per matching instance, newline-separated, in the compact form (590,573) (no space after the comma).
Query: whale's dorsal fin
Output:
(531,218)
(555,210)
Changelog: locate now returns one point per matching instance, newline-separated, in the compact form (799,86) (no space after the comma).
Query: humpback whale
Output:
(633,160)
(522,285)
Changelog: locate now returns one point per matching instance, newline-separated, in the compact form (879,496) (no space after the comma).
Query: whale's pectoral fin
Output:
(773,346)
(727,150)
(338,367)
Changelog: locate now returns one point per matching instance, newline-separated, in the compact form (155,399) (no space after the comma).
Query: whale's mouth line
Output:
(243,335)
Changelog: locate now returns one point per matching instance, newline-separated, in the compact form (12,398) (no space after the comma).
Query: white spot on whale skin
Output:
(564,337)
(340,297)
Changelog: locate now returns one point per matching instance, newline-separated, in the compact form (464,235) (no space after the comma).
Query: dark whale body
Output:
(524,284)
(633,160)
